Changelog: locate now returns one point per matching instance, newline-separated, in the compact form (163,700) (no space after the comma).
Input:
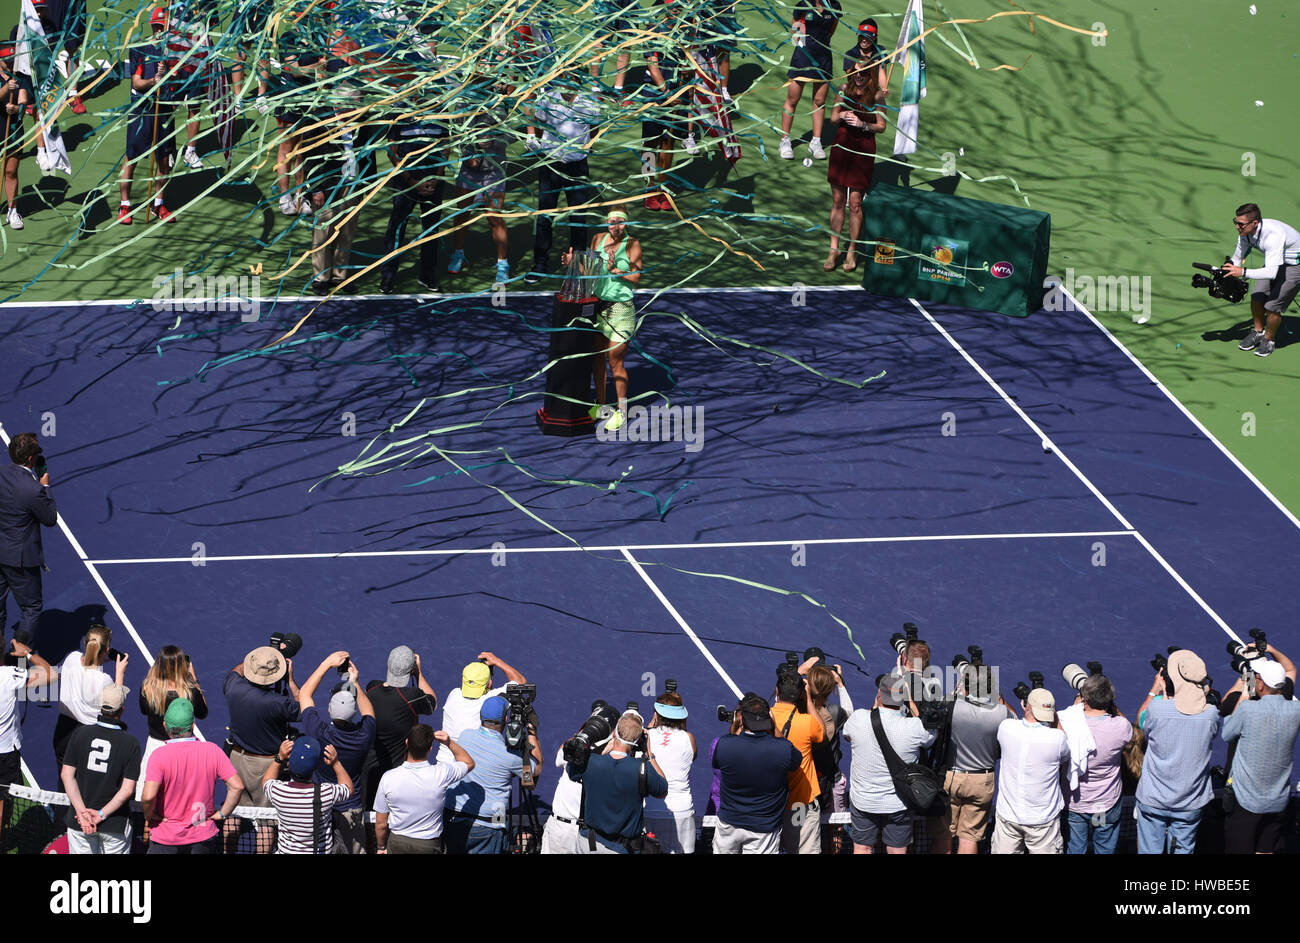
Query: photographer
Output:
(969,762)
(671,818)
(260,715)
(754,787)
(81,680)
(399,702)
(1035,754)
(15,676)
(351,732)
(305,807)
(875,809)
(25,506)
(1094,802)
(1175,786)
(801,831)
(477,809)
(169,677)
(613,790)
(461,711)
(1261,727)
(99,776)
(1274,286)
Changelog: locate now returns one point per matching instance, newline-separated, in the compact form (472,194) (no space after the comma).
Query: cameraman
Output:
(755,769)
(613,792)
(25,505)
(260,714)
(1094,802)
(969,763)
(1275,285)
(351,731)
(476,818)
(801,828)
(399,701)
(1175,786)
(560,836)
(1262,725)
(1035,754)
(461,711)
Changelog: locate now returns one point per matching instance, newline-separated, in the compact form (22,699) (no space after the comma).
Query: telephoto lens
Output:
(1094,668)
(725,713)
(898,642)
(1074,676)
(1021,691)
(1159,662)
(1036,679)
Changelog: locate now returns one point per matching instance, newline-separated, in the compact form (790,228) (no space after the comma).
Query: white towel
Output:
(1080,740)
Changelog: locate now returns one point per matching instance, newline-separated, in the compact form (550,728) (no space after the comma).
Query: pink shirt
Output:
(188,771)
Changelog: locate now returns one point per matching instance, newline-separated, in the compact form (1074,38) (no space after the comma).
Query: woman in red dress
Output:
(853,155)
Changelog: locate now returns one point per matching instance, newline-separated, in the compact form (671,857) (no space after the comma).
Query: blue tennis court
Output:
(1022,485)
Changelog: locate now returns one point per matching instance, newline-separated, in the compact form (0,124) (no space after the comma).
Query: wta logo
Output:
(1002,270)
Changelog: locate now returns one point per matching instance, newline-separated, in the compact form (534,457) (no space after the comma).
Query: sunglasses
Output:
(1241,225)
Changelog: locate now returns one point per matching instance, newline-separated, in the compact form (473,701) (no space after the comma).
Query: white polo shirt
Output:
(12,680)
(1279,243)
(1029,780)
(413,795)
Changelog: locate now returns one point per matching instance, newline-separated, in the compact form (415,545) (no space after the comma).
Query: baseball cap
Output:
(305,756)
(264,666)
(756,714)
(1042,704)
(158,17)
(474,680)
(1270,672)
(343,706)
(1187,672)
(180,715)
(113,697)
(493,710)
(401,662)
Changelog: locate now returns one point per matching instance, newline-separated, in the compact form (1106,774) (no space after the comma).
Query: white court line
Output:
(682,622)
(139,302)
(1042,436)
(346,554)
(1185,411)
(1083,478)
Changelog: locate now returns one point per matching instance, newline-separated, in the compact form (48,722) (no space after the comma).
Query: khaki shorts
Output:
(970,798)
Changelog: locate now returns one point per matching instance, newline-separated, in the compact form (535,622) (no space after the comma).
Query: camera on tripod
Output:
(1219,283)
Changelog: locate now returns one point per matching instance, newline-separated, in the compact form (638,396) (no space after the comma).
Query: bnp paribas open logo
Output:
(208,294)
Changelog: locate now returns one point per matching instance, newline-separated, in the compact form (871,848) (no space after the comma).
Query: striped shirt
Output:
(1265,731)
(1176,769)
(293,804)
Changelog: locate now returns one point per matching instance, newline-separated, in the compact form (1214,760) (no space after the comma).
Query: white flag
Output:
(912,59)
(34,59)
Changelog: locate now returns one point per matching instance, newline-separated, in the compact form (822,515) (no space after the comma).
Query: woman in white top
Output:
(672,818)
(81,680)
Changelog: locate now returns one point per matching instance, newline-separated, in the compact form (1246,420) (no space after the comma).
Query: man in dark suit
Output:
(25,504)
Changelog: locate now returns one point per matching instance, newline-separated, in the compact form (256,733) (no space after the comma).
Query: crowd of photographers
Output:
(938,751)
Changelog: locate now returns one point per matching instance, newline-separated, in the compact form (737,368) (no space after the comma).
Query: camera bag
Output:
(917,785)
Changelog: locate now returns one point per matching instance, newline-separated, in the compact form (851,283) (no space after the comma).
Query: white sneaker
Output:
(691,146)
(262,105)
(815,146)
(192,158)
(15,221)
(305,208)
(288,204)
(787,149)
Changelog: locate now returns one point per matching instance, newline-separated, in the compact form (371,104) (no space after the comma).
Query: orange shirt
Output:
(805,730)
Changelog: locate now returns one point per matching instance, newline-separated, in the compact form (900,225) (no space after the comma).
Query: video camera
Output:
(1219,283)
(592,735)
(1075,676)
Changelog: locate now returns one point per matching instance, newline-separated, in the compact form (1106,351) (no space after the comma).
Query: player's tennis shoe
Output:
(503,270)
(600,412)
(691,147)
(456,262)
(192,158)
(815,148)
(615,421)
(1251,340)
(1265,348)
(15,221)
(787,149)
